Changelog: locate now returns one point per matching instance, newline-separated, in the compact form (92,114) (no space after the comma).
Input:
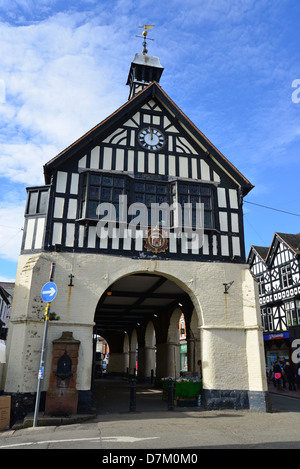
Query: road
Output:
(184,432)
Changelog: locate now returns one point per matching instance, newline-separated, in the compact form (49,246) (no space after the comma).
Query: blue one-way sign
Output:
(49,292)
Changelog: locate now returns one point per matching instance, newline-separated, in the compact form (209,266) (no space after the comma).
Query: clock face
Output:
(151,138)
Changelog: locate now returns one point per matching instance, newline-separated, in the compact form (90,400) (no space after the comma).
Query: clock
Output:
(151,138)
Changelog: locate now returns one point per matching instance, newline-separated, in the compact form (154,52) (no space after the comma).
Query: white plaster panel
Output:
(61,181)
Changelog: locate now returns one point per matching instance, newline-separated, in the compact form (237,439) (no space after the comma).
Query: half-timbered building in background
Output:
(133,289)
(277,272)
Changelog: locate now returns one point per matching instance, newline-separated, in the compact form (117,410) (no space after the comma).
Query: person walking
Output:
(290,376)
(277,375)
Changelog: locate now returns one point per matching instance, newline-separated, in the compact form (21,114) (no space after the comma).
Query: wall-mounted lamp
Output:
(227,286)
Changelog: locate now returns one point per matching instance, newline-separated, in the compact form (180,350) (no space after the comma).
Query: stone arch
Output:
(194,296)
(149,358)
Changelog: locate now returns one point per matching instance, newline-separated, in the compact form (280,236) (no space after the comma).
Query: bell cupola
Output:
(144,68)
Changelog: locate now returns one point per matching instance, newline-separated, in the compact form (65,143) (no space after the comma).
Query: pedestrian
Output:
(277,375)
(298,376)
(283,376)
(272,374)
(290,375)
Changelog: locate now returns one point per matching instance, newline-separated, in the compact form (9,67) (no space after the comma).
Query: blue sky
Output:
(231,65)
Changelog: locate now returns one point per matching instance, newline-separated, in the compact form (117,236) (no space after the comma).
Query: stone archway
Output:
(229,321)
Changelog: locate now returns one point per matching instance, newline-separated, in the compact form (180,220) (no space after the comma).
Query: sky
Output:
(232,66)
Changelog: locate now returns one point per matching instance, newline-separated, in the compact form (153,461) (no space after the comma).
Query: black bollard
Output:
(152,377)
(170,395)
(132,405)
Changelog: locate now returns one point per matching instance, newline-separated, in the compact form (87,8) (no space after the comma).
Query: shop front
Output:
(277,347)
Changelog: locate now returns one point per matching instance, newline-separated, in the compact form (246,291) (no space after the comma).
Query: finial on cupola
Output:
(145,33)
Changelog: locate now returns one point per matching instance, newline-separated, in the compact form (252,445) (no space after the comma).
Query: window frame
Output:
(171,194)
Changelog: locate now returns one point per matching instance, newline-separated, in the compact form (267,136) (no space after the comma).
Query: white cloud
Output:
(11,224)
(56,88)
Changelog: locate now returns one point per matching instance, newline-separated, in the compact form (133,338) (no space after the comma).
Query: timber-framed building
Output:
(132,290)
(277,272)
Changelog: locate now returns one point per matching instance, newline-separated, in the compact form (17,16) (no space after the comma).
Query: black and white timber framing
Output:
(277,271)
(109,160)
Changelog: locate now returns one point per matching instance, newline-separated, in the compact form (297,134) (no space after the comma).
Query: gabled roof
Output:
(266,254)
(261,251)
(151,91)
(292,240)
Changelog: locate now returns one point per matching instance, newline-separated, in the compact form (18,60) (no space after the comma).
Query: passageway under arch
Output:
(138,316)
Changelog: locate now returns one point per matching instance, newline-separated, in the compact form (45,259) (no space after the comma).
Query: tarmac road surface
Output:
(183,431)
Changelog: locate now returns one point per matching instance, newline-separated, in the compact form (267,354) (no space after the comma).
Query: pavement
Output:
(152,426)
(112,395)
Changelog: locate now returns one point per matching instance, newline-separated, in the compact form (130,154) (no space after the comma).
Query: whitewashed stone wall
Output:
(231,339)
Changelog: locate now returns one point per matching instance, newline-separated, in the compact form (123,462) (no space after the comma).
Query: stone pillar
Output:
(62,395)
(132,361)
(146,361)
(193,347)
(168,360)
(125,362)
(116,363)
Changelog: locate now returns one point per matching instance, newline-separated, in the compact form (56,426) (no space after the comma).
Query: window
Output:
(193,194)
(267,319)
(261,285)
(264,319)
(292,311)
(152,193)
(37,202)
(270,319)
(98,188)
(286,276)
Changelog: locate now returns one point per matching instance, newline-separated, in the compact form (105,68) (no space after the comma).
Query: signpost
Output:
(48,294)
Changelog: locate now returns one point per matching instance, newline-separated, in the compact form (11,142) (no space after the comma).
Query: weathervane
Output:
(145,32)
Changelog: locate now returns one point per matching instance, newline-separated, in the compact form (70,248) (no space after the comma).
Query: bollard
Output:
(170,395)
(132,405)
(152,377)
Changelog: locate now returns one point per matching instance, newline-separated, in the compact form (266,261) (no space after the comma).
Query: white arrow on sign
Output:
(51,292)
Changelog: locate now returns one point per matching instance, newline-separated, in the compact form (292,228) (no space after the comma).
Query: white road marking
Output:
(118,439)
